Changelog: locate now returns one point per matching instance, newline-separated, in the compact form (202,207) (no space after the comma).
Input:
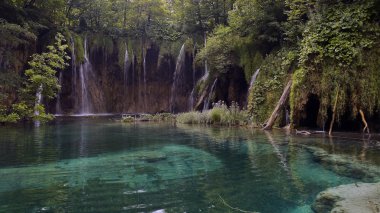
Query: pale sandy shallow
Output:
(351,198)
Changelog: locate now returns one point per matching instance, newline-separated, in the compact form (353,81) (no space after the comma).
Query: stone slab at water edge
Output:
(351,198)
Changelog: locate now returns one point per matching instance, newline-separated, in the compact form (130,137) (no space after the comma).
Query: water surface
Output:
(99,165)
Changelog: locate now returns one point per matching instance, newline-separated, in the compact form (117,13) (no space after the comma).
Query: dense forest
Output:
(319,58)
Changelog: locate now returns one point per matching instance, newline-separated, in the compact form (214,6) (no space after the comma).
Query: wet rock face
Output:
(110,93)
(232,87)
(352,198)
(143,84)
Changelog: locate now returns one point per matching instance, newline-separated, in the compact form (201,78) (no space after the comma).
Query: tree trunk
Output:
(364,121)
(334,113)
(280,104)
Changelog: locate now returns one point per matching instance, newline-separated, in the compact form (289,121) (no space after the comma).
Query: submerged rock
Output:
(352,198)
(345,165)
(131,168)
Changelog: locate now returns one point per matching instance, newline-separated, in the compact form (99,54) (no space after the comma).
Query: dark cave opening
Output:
(309,116)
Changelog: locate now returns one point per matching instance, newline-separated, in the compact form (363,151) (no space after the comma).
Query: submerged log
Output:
(302,132)
(280,104)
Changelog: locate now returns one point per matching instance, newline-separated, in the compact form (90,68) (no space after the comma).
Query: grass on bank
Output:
(220,114)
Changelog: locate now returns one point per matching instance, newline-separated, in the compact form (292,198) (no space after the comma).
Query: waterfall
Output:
(38,102)
(252,83)
(144,93)
(287,117)
(191,97)
(207,101)
(84,71)
(126,66)
(253,80)
(206,73)
(144,68)
(73,65)
(177,76)
(58,109)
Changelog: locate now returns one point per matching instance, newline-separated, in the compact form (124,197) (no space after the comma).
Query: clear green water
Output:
(98,165)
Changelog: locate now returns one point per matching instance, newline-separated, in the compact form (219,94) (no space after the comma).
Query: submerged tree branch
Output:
(233,208)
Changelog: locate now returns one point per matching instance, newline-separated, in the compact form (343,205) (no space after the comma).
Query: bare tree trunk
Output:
(364,121)
(280,104)
(334,113)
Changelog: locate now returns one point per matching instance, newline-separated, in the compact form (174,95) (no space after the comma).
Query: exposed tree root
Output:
(366,128)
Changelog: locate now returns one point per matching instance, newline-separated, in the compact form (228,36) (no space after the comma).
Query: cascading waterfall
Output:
(38,102)
(177,76)
(58,107)
(212,90)
(85,68)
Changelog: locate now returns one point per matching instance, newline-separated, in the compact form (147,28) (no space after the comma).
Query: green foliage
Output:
(79,48)
(219,52)
(334,58)
(260,19)
(128,119)
(41,76)
(193,117)
(269,84)
(43,69)
(156,117)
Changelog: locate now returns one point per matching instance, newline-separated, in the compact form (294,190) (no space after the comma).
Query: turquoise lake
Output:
(100,165)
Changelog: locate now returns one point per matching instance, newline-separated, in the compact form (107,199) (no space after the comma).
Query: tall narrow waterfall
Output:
(206,104)
(191,97)
(58,109)
(37,102)
(126,66)
(252,83)
(84,71)
(253,80)
(73,65)
(145,90)
(205,76)
(178,75)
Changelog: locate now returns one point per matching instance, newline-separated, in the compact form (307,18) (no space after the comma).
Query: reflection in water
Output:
(89,165)
(276,148)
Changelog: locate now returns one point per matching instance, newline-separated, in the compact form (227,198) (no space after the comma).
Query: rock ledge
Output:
(352,198)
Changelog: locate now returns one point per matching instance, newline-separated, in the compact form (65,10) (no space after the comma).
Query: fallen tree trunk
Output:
(280,104)
(364,121)
(334,113)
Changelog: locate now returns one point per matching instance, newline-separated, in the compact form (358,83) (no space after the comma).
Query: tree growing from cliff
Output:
(41,78)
